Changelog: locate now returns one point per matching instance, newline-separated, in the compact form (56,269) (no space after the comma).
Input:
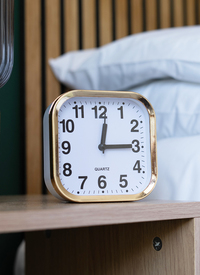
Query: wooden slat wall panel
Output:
(71,23)
(105,24)
(136,16)
(190,5)
(33,97)
(165,21)
(89,24)
(53,47)
(151,15)
(121,18)
(178,13)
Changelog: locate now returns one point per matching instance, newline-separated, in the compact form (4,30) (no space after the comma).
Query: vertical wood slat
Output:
(136,16)
(165,15)
(121,18)
(33,96)
(105,17)
(88,24)
(178,13)
(190,12)
(52,15)
(198,12)
(151,15)
(71,23)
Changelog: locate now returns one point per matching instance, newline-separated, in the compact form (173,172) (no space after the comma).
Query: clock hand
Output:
(103,136)
(104,131)
(117,146)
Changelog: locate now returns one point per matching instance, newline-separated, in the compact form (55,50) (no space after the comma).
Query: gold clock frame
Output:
(54,154)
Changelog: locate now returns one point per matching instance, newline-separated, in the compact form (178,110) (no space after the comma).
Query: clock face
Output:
(103,147)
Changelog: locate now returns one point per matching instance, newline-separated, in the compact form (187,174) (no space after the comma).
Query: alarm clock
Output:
(100,146)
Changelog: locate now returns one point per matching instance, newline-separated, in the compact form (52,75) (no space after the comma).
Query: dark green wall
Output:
(12,139)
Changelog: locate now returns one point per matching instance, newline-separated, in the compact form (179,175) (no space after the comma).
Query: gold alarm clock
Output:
(100,146)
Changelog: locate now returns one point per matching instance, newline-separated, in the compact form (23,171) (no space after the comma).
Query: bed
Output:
(55,27)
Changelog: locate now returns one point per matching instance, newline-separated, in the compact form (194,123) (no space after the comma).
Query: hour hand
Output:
(103,136)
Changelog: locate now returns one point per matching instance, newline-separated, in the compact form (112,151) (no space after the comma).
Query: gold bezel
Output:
(53,141)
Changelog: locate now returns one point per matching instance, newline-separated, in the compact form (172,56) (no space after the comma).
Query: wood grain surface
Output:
(191,11)
(178,13)
(33,98)
(53,48)
(121,18)
(71,25)
(105,22)
(197,245)
(88,24)
(137,16)
(114,250)
(25,213)
(151,15)
(165,14)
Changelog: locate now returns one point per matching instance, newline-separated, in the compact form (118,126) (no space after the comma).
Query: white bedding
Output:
(133,60)
(177,106)
(164,66)
(178,169)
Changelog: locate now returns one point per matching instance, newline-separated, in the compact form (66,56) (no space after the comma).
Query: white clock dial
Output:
(103,146)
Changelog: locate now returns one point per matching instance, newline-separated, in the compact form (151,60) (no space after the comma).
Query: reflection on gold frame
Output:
(53,141)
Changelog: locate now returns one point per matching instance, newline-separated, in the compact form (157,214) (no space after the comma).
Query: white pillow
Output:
(177,106)
(133,60)
(178,169)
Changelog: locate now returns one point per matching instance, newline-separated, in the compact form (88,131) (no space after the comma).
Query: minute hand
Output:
(117,146)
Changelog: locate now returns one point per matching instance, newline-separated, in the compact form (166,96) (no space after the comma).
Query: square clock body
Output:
(100,146)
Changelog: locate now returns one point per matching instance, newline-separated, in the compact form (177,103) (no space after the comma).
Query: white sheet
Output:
(176,104)
(178,169)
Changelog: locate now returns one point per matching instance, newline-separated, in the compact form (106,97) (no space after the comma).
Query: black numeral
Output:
(95,111)
(101,182)
(121,112)
(76,108)
(135,122)
(103,114)
(67,171)
(136,147)
(136,167)
(70,125)
(122,179)
(84,179)
(67,125)
(63,124)
(66,147)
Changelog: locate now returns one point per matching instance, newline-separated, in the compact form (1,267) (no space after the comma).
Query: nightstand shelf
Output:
(105,238)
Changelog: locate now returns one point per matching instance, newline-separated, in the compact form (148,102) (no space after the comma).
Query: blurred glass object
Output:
(6,39)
